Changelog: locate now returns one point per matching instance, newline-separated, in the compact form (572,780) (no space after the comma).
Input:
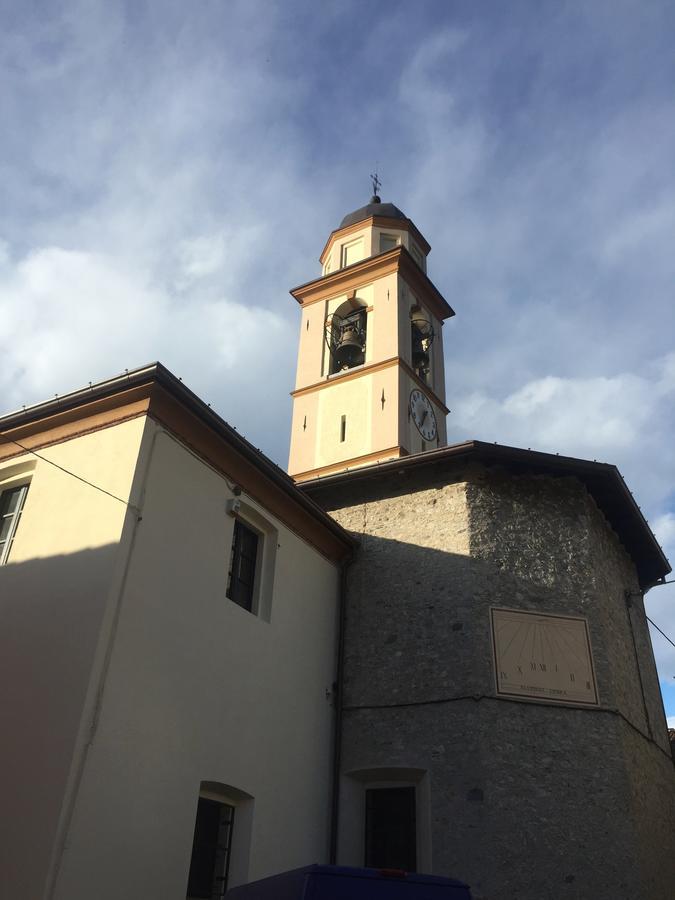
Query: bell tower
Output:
(370,382)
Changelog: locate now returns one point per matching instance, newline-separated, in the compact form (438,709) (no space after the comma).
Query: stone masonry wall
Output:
(527,800)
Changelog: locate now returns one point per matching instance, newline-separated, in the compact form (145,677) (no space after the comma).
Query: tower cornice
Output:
(352,277)
(351,374)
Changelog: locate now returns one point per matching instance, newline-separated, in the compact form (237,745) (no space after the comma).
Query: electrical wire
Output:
(96,487)
(659,631)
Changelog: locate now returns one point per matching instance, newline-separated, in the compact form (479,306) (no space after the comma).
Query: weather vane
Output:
(377,184)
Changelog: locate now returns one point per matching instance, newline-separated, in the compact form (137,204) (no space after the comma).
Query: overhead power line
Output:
(660,631)
(51,462)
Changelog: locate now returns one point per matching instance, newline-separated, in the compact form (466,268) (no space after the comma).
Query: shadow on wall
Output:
(419,623)
(419,691)
(51,610)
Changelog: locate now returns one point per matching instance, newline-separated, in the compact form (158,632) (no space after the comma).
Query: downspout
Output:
(337,692)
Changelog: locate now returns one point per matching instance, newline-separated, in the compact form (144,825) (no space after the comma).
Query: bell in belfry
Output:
(349,342)
(422,337)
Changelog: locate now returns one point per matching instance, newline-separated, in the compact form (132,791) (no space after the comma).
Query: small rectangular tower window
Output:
(243,560)
(343,428)
(352,252)
(418,256)
(11,507)
(391,834)
(388,242)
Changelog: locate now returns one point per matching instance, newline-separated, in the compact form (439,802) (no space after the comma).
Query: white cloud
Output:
(168,176)
(202,255)
(602,417)
(664,528)
(72,317)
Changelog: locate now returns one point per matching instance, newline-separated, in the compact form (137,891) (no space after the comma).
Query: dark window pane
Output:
(241,578)
(205,843)
(210,849)
(390,828)
(9,501)
(246,569)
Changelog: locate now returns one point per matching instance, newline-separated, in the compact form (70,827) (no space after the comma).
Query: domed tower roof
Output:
(374,208)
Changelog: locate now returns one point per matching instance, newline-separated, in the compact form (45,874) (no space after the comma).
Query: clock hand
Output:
(426,413)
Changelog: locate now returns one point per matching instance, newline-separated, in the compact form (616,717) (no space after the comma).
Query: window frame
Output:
(218,868)
(418,256)
(240,590)
(235,870)
(347,246)
(14,516)
(394,239)
(352,823)
(250,518)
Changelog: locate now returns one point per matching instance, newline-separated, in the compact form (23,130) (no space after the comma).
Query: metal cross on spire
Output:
(377,184)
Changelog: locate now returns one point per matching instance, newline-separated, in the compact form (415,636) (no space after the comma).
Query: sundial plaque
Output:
(540,656)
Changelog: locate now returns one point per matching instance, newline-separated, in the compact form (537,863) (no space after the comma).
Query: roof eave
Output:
(603,481)
(406,262)
(157,374)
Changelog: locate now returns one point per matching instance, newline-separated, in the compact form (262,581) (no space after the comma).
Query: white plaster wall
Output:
(198,689)
(382,325)
(52,602)
(304,433)
(353,399)
(311,345)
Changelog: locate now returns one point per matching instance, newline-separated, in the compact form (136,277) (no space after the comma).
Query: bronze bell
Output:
(420,353)
(349,348)
(422,337)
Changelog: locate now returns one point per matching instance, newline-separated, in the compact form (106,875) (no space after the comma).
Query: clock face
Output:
(422,413)
(543,657)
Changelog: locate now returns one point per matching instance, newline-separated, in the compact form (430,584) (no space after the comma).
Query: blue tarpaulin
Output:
(344,883)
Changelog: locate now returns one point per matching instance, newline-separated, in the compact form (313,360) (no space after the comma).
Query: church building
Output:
(401,655)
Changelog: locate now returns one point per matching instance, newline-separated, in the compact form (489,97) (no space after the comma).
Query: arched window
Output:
(221,841)
(421,339)
(346,333)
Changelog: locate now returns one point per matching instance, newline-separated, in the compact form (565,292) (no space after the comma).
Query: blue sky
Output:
(169,170)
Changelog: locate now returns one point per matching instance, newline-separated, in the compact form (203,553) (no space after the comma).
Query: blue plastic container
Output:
(343,883)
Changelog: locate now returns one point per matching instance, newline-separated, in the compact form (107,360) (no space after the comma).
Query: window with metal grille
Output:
(243,560)
(11,507)
(211,849)
(391,838)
